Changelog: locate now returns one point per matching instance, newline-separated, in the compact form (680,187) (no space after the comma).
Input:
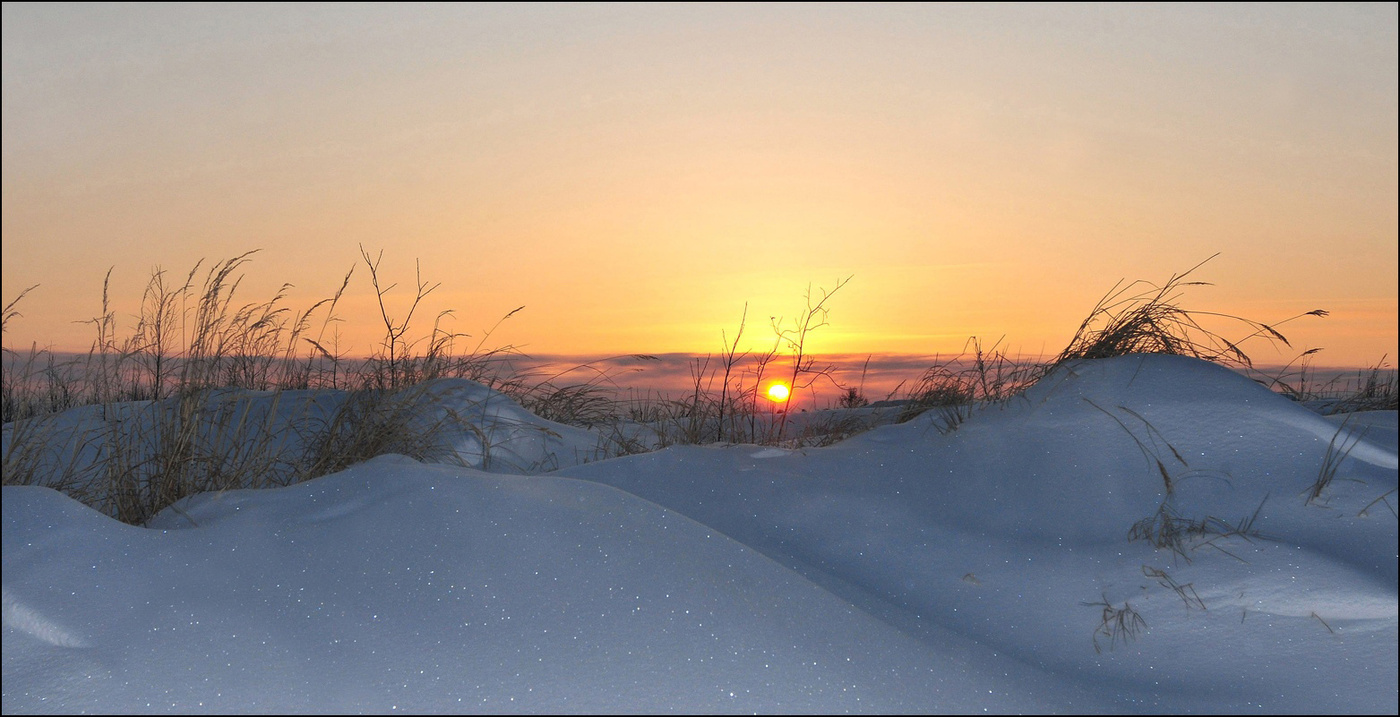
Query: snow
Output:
(910,568)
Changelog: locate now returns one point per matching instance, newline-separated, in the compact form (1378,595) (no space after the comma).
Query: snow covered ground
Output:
(988,568)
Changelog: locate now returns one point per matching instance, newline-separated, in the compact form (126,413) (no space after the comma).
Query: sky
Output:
(638,177)
(907,569)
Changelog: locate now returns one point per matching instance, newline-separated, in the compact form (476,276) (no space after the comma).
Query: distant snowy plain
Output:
(905,569)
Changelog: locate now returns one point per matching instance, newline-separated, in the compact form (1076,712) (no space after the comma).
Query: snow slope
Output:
(902,570)
(460,422)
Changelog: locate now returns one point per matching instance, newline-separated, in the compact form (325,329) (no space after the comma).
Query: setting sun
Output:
(778,393)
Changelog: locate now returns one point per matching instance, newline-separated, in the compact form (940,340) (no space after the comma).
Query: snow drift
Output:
(903,570)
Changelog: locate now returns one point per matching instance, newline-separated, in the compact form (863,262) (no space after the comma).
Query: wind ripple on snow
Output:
(21,617)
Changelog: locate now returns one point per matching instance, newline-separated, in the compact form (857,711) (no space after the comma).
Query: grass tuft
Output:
(1153,321)
(1167,529)
(1338,448)
(1118,624)
(955,386)
(163,424)
(1186,592)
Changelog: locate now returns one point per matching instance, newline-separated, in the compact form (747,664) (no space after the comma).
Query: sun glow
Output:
(778,393)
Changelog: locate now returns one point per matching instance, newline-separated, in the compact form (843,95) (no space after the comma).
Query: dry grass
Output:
(1370,389)
(194,336)
(1377,389)
(1151,447)
(1166,529)
(1136,318)
(726,402)
(165,424)
(1384,499)
(804,371)
(1186,592)
(162,425)
(1338,448)
(1152,321)
(956,386)
(1118,624)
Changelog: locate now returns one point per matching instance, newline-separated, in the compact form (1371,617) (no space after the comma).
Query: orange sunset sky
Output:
(633,175)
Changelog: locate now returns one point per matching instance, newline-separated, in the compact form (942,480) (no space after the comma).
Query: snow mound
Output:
(474,592)
(990,568)
(452,420)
